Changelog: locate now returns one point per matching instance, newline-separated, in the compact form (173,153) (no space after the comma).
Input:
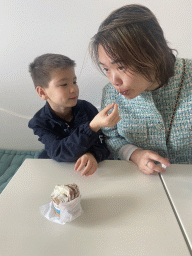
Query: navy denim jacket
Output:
(66,142)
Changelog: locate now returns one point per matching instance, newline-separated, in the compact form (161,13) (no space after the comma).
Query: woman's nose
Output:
(116,80)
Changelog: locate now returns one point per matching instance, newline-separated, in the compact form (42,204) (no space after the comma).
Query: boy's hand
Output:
(144,159)
(88,162)
(103,119)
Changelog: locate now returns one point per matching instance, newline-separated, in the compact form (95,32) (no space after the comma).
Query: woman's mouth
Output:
(124,92)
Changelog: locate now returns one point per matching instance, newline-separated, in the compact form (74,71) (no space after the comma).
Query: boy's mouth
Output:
(73,98)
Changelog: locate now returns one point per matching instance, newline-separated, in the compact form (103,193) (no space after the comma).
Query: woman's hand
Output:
(88,162)
(144,159)
(103,119)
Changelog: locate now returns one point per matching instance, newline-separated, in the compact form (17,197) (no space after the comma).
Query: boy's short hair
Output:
(42,67)
(132,36)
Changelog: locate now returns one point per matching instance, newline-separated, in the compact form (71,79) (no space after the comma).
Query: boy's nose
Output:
(73,88)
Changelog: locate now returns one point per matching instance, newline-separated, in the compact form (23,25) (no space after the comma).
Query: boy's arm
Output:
(77,141)
(99,149)
(103,119)
(70,148)
(87,164)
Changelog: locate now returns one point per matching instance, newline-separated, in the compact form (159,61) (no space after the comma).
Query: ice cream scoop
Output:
(65,193)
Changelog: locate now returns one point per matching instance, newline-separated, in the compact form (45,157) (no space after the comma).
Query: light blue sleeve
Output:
(126,151)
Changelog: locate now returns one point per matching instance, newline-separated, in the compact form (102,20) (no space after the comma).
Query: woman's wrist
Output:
(135,156)
(126,151)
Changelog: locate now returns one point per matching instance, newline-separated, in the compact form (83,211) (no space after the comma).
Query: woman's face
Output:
(128,83)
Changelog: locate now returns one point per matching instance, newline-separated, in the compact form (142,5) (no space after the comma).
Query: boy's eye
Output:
(75,82)
(64,85)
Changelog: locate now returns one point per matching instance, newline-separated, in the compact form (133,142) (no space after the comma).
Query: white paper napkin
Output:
(68,211)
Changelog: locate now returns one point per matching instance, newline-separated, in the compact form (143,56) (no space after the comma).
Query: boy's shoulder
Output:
(41,117)
(43,112)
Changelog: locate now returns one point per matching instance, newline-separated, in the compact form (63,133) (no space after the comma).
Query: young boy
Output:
(69,128)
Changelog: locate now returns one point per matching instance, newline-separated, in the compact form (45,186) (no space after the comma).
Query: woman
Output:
(154,90)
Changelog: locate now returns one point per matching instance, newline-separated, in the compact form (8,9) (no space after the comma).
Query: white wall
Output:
(31,28)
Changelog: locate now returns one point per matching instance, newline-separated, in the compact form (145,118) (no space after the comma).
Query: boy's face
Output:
(62,91)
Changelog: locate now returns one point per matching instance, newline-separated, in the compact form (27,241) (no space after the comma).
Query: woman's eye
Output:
(105,70)
(75,82)
(64,85)
(121,68)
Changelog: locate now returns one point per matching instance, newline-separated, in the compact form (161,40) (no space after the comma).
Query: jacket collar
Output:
(77,113)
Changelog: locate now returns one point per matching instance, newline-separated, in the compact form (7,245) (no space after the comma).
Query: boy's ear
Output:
(41,92)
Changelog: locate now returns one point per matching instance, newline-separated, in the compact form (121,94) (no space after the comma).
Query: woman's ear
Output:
(41,92)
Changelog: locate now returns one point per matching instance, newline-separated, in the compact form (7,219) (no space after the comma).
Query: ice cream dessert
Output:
(64,194)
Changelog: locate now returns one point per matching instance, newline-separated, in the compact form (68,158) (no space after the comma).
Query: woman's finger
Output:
(160,159)
(153,167)
(148,171)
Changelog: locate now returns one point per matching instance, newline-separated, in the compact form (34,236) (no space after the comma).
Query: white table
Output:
(125,213)
(178,183)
